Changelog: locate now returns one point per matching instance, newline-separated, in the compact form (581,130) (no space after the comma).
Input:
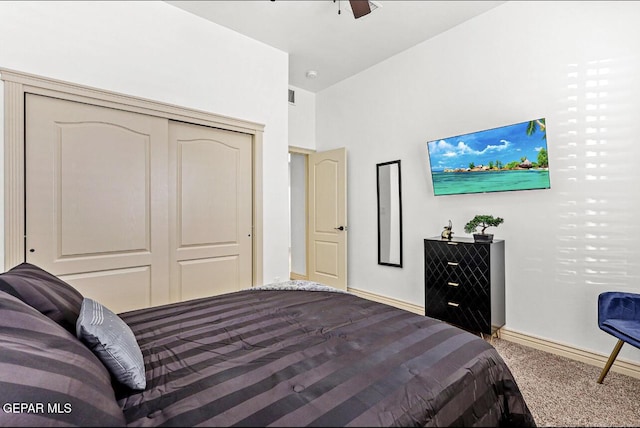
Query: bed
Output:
(291,354)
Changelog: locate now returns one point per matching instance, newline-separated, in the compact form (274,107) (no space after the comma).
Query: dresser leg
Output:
(489,337)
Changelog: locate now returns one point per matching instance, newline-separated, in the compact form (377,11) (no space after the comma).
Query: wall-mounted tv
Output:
(512,157)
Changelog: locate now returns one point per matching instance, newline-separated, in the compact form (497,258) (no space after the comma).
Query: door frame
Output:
(303,152)
(17,84)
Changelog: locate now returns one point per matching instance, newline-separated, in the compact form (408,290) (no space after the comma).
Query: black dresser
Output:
(464,283)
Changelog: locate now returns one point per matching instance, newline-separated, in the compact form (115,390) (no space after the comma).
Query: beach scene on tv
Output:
(512,157)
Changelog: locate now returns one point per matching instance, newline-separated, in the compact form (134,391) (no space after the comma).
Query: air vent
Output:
(292,96)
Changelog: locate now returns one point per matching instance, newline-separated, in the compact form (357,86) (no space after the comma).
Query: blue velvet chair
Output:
(619,315)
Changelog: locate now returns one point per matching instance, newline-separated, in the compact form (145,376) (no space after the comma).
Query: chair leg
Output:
(612,358)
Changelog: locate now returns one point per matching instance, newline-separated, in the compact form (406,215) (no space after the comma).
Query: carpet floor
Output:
(561,392)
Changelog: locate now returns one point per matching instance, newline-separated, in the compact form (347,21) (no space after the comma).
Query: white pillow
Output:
(113,342)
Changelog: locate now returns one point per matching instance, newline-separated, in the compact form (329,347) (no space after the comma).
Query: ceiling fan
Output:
(360,7)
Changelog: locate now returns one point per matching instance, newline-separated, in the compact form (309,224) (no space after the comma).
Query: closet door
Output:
(210,210)
(96,200)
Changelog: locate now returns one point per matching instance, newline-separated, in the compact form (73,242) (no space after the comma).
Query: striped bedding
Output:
(275,357)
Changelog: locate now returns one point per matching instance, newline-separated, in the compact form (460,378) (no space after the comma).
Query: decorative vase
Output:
(483,237)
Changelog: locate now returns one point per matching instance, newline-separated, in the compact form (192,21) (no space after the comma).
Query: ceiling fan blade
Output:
(360,7)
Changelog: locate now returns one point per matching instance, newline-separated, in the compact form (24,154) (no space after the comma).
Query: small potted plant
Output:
(482,221)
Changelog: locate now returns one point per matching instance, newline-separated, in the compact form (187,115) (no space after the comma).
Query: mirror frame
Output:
(398,209)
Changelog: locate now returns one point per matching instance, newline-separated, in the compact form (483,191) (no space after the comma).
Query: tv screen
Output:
(512,157)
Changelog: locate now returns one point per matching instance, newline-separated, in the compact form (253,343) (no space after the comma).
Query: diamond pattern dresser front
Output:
(464,283)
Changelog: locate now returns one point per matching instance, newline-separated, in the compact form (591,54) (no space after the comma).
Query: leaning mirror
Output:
(389,214)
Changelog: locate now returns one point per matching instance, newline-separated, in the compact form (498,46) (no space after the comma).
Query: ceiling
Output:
(334,45)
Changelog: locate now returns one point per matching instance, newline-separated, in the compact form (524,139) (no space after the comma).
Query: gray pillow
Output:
(113,342)
(46,292)
(41,362)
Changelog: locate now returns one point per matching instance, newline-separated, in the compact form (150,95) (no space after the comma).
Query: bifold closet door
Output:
(96,200)
(210,210)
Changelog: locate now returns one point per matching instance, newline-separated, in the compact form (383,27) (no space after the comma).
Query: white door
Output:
(94,176)
(328,218)
(211,206)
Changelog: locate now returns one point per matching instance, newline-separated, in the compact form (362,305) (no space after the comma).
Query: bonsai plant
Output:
(482,221)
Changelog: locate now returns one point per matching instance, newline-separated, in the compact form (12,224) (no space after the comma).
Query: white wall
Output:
(574,63)
(302,134)
(302,120)
(157,51)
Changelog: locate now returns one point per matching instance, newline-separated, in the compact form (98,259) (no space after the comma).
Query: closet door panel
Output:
(103,179)
(134,283)
(201,277)
(211,210)
(208,213)
(96,200)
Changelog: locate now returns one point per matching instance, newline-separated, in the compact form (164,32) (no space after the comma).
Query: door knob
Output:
(340,228)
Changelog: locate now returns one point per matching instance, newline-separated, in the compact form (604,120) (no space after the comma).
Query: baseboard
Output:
(297,276)
(387,300)
(620,365)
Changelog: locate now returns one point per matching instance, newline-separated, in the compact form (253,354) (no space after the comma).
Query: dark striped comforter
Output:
(302,358)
